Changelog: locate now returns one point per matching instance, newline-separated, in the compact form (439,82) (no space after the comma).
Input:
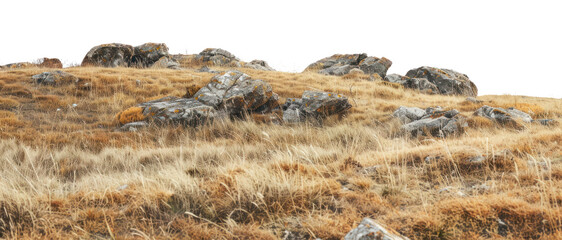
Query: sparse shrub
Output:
(7,103)
(132,114)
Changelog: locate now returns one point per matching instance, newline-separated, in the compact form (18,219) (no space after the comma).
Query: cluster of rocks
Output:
(437,122)
(431,121)
(235,94)
(122,55)
(435,81)
(428,80)
(41,63)
(341,64)
(510,116)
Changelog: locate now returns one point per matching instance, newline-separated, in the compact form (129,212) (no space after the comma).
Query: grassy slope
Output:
(60,171)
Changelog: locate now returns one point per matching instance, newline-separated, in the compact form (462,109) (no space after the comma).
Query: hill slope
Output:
(66,173)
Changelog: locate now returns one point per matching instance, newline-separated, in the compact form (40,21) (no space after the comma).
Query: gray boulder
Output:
(473,100)
(546,122)
(432,120)
(368,229)
(314,105)
(133,126)
(218,57)
(166,62)
(54,78)
(447,81)
(185,111)
(237,93)
(341,64)
(337,70)
(373,65)
(441,126)
(109,55)
(147,54)
(421,84)
(409,114)
(207,69)
(395,78)
(259,65)
(503,116)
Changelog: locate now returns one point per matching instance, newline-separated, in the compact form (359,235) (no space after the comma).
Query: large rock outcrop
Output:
(447,81)
(147,54)
(109,55)
(431,121)
(341,64)
(231,93)
(54,78)
(237,93)
(368,229)
(314,105)
(122,55)
(217,57)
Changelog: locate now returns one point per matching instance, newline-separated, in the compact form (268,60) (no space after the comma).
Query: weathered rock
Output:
(519,114)
(314,105)
(421,84)
(547,122)
(441,126)
(235,92)
(409,114)
(185,111)
(337,70)
(447,81)
(373,65)
(473,100)
(166,62)
(50,63)
(54,78)
(259,65)
(148,54)
(133,126)
(368,229)
(395,78)
(341,64)
(109,55)
(432,120)
(336,60)
(218,57)
(503,116)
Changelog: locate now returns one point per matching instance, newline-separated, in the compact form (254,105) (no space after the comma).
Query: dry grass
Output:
(67,174)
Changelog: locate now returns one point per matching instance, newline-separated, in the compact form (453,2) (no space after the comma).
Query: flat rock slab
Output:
(186,111)
(54,78)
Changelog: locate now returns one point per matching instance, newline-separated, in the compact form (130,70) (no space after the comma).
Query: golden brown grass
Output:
(67,174)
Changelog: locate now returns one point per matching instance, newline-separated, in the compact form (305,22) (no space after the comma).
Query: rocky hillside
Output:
(140,143)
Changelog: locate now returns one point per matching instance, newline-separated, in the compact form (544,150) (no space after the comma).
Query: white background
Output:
(505,47)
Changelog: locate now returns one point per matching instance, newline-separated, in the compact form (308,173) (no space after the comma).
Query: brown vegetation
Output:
(65,172)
